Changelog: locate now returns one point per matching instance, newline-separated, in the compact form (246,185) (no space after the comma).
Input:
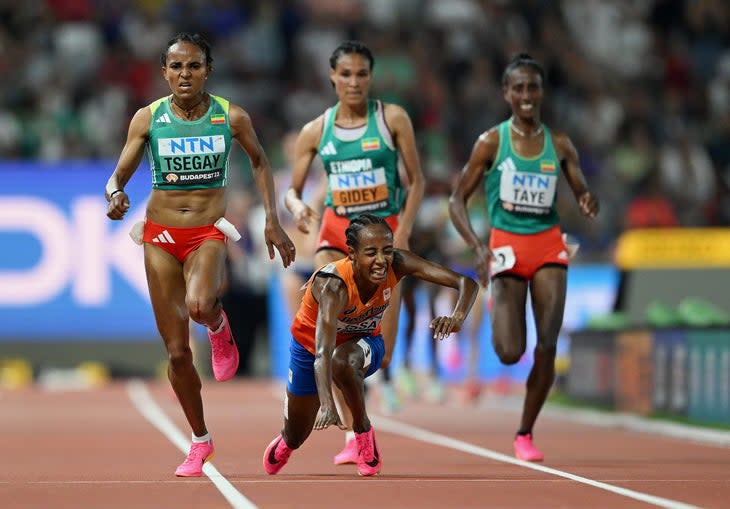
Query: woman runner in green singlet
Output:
(187,136)
(520,160)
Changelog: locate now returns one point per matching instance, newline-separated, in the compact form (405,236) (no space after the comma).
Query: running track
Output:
(117,447)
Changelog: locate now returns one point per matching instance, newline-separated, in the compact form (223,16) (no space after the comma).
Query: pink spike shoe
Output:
(348,454)
(472,391)
(368,461)
(224,352)
(276,455)
(198,455)
(524,450)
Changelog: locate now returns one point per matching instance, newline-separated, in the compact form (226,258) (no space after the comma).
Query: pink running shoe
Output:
(524,450)
(276,455)
(368,461)
(198,455)
(472,391)
(224,352)
(348,454)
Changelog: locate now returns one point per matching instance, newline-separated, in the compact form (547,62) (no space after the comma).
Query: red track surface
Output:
(63,450)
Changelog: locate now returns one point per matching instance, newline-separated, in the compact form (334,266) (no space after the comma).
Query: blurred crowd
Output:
(642,87)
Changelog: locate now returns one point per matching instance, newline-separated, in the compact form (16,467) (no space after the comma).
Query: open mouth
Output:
(379,273)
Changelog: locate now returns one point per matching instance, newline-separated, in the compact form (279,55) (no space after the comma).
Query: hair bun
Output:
(522,56)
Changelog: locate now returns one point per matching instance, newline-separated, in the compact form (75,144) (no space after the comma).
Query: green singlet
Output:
(362,174)
(189,154)
(521,191)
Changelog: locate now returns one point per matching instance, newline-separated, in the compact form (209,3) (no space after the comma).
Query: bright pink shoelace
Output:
(220,346)
(197,453)
(282,452)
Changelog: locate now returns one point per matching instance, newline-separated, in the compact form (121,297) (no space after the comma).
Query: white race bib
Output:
(530,193)
(504,259)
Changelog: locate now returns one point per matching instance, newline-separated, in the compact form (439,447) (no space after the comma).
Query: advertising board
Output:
(66,270)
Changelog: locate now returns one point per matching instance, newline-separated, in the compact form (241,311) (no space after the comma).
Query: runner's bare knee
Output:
(202,309)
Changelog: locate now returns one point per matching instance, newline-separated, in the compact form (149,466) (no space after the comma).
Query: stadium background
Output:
(642,88)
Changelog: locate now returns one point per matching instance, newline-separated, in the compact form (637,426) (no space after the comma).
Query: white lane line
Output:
(379,479)
(622,420)
(147,406)
(686,433)
(415,433)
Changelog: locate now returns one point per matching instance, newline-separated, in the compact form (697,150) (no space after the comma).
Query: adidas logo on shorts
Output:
(164,238)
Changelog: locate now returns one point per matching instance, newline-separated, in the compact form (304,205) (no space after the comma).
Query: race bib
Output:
(527,193)
(504,259)
(359,192)
(192,160)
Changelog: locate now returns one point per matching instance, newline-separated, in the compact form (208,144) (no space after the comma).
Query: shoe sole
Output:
(537,460)
(368,475)
(226,377)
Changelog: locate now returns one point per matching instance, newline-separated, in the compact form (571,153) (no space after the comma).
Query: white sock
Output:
(220,327)
(201,440)
(349,435)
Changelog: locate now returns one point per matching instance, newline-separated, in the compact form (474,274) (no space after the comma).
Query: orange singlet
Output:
(358,319)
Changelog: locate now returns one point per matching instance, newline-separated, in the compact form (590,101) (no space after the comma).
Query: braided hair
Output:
(352,234)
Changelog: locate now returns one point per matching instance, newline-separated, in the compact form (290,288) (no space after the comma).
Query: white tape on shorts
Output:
(136,232)
(228,229)
(222,224)
(367,351)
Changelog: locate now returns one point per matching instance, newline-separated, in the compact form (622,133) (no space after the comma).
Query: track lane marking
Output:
(687,433)
(339,480)
(150,410)
(415,433)
(143,401)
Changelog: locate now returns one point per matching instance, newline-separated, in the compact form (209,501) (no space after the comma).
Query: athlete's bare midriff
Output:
(196,207)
